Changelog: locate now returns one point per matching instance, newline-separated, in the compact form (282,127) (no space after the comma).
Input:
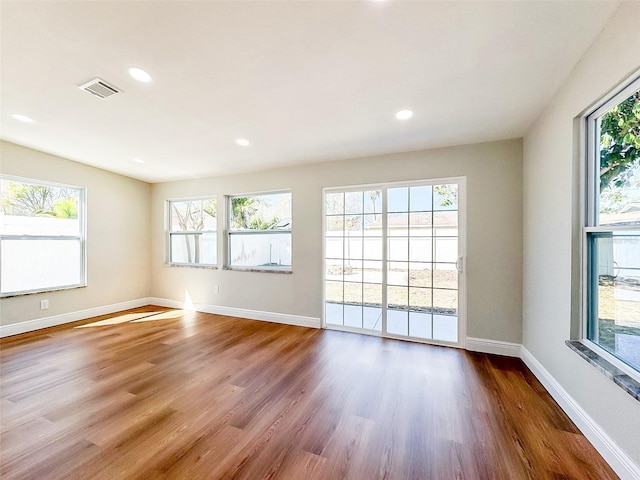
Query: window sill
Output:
(190,265)
(36,292)
(620,378)
(259,270)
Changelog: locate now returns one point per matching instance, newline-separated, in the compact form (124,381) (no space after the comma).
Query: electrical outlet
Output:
(216,289)
(44,304)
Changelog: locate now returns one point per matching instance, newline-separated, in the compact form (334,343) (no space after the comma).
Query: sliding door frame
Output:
(462,249)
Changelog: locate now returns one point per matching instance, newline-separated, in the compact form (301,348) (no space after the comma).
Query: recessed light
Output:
(405,114)
(138,160)
(243,142)
(139,74)
(22,118)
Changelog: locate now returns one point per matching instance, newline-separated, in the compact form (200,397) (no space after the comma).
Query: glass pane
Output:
(420,274)
(372,318)
(372,272)
(40,264)
(619,166)
(334,226)
(445,275)
(398,199)
(421,224)
(445,328)
(261,212)
(445,197)
(397,297)
(445,224)
(420,249)
(398,224)
(398,249)
(195,249)
(372,295)
(334,247)
(353,247)
(615,287)
(353,202)
(353,316)
(334,292)
(373,202)
(398,273)
(36,209)
(420,199)
(193,215)
(398,322)
(353,271)
(334,313)
(334,203)
(373,225)
(260,250)
(353,293)
(445,302)
(420,299)
(420,325)
(446,249)
(334,270)
(353,225)
(372,248)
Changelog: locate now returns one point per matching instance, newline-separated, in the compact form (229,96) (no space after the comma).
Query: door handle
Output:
(459,264)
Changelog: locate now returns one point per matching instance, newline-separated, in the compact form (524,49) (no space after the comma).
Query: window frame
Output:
(229,233)
(81,237)
(170,232)
(589,225)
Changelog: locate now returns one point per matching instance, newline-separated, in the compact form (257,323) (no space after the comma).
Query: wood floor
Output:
(199,396)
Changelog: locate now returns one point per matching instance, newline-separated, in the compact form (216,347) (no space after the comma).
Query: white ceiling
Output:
(303,81)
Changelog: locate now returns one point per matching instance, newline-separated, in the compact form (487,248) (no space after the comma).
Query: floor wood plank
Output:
(152,393)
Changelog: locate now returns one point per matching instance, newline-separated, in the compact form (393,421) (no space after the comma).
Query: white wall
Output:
(118,235)
(494,246)
(550,209)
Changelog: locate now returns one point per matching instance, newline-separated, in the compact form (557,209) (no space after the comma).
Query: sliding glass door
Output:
(393,260)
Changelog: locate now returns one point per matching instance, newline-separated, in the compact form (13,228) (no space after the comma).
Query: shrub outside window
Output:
(612,226)
(192,232)
(42,236)
(259,231)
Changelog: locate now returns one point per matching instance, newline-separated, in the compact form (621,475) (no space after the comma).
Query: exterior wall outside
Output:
(118,235)
(551,279)
(494,233)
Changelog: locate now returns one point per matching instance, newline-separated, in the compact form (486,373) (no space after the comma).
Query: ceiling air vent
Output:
(99,88)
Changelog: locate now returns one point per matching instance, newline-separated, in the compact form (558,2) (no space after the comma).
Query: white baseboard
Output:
(55,320)
(495,347)
(297,320)
(610,451)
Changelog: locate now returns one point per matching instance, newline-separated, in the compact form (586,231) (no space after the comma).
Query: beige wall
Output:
(118,235)
(550,209)
(494,233)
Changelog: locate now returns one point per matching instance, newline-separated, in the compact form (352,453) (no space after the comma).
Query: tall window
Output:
(192,232)
(259,229)
(42,240)
(612,231)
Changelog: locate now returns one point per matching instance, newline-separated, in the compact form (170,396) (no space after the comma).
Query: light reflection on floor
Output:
(137,317)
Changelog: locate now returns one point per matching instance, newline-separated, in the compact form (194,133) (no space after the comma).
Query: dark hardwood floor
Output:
(199,396)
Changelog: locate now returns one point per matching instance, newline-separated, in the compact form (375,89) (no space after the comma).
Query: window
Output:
(42,240)
(611,233)
(192,232)
(259,229)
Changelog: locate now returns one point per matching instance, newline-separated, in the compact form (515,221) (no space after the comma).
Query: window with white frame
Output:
(42,236)
(259,231)
(611,234)
(192,232)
